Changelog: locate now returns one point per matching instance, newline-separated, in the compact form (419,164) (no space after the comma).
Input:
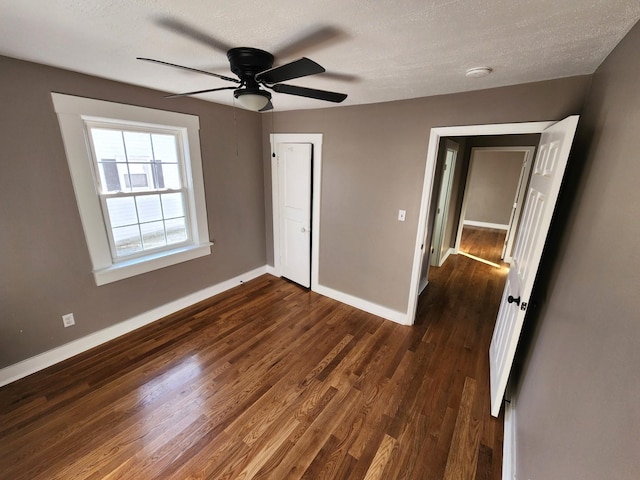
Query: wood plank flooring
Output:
(271,381)
(485,243)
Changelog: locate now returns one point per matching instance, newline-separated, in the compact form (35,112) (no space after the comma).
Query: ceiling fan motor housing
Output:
(247,62)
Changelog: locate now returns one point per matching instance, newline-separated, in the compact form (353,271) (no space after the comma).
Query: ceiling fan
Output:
(255,72)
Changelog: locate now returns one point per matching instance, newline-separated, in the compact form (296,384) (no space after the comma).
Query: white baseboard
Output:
(446,255)
(272,271)
(51,357)
(498,226)
(509,442)
(367,306)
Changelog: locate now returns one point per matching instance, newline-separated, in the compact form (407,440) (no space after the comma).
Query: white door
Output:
(294,167)
(442,212)
(541,196)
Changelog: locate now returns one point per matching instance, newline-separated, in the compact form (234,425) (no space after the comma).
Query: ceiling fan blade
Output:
(309,39)
(341,77)
(188,31)
(228,79)
(186,94)
(310,93)
(296,69)
(267,107)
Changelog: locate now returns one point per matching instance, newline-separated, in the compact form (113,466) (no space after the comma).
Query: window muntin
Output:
(140,181)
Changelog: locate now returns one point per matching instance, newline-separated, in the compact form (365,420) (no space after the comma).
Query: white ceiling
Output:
(381,50)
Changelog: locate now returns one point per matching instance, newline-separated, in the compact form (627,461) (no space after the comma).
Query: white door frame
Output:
(427,187)
(316,140)
(515,213)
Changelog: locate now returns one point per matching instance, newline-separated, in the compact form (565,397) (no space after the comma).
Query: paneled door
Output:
(540,201)
(295,166)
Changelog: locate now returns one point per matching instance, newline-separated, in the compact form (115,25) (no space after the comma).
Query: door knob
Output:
(510,299)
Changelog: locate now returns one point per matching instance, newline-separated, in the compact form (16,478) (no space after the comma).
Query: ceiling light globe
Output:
(252,100)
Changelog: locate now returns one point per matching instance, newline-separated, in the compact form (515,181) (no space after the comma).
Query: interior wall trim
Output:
(365,305)
(51,357)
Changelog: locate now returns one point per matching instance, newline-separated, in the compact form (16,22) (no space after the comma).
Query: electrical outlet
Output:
(68,320)
(402,215)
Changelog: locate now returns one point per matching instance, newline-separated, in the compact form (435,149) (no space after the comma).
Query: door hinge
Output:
(523,306)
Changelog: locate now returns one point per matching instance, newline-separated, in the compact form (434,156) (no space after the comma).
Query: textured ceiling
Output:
(374,50)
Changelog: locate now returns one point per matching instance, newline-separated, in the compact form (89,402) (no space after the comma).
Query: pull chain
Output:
(235,126)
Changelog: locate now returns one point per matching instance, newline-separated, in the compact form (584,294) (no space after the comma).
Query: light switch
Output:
(401,215)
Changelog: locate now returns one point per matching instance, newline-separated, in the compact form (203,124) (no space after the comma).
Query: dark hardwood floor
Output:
(485,243)
(271,381)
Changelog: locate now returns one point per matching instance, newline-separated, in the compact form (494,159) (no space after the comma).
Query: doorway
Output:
(420,269)
(494,191)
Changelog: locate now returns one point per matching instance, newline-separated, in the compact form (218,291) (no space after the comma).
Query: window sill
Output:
(137,266)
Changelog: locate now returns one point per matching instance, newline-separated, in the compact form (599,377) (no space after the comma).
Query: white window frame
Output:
(102,195)
(72,113)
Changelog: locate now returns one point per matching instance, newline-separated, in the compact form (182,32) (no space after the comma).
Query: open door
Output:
(444,199)
(541,196)
(294,165)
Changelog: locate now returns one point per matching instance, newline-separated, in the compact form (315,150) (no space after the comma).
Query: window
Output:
(137,175)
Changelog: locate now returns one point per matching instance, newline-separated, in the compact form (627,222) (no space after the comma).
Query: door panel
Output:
(548,170)
(294,165)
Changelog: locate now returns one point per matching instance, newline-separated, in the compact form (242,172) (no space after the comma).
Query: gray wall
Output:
(45,270)
(373,165)
(492,185)
(578,408)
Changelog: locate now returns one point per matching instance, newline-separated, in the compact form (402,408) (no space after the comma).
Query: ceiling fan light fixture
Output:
(252,99)
(479,72)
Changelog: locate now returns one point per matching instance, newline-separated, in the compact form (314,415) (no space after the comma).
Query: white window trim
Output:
(72,112)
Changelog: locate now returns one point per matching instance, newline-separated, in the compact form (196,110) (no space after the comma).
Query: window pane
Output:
(122,211)
(171,175)
(149,208)
(172,205)
(108,144)
(113,176)
(136,180)
(109,177)
(153,234)
(138,146)
(176,230)
(127,240)
(139,177)
(158,174)
(164,148)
